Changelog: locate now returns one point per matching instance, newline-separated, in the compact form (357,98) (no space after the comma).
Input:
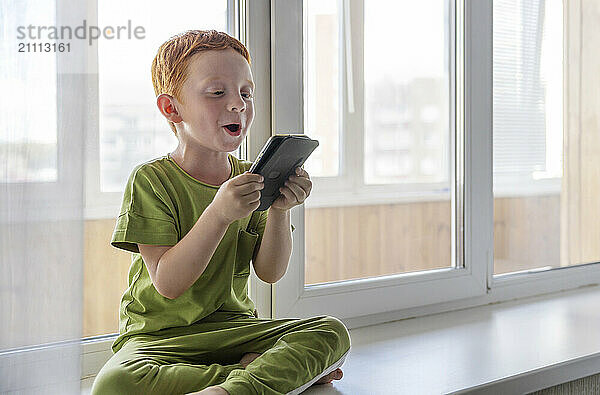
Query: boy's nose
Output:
(237,105)
(237,108)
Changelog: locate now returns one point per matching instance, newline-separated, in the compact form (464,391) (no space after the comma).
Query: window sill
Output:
(512,347)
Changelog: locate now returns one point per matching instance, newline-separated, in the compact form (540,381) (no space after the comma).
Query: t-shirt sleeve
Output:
(146,216)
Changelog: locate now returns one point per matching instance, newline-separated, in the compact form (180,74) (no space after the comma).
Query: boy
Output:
(186,322)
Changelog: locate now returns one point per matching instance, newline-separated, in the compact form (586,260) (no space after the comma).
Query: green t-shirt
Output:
(160,205)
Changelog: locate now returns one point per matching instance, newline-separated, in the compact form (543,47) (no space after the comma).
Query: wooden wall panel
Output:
(389,239)
(376,240)
(589,120)
(580,210)
(104,278)
(526,233)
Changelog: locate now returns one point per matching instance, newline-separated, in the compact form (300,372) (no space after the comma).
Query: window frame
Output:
(355,298)
(368,301)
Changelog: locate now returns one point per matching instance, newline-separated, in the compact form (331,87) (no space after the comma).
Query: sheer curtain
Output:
(42,109)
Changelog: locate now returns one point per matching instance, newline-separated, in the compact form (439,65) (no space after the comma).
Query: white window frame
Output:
(373,300)
(379,295)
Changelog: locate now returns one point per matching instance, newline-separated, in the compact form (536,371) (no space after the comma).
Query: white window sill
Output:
(511,347)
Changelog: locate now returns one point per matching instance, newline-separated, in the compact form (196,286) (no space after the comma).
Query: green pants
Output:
(295,354)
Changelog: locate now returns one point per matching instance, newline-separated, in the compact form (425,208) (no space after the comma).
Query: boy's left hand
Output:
(295,191)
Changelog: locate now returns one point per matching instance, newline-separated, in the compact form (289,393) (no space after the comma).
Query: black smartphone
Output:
(278,159)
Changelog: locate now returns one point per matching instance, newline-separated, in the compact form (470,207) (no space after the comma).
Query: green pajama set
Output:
(182,345)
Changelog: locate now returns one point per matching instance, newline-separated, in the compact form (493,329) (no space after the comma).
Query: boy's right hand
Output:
(238,198)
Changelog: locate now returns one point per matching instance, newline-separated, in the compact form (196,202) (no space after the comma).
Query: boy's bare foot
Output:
(335,375)
(212,390)
(247,358)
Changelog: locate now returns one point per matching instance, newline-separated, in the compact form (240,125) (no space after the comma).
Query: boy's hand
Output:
(239,197)
(295,191)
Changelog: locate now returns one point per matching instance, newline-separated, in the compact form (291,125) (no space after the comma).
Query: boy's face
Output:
(218,91)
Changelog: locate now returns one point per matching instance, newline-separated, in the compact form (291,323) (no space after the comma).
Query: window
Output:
(426,204)
(396,228)
(541,214)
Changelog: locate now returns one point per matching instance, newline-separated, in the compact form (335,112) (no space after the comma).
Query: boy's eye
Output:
(247,95)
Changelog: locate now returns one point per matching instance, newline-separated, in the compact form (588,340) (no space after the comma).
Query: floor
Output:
(447,352)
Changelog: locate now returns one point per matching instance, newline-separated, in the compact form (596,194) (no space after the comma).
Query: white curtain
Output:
(42,108)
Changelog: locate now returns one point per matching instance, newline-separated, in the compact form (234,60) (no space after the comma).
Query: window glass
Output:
(28,128)
(400,82)
(322,85)
(545,165)
(406,92)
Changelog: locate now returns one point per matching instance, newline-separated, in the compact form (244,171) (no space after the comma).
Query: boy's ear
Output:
(166,106)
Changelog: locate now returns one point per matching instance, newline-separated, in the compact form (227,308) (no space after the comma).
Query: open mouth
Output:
(233,128)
